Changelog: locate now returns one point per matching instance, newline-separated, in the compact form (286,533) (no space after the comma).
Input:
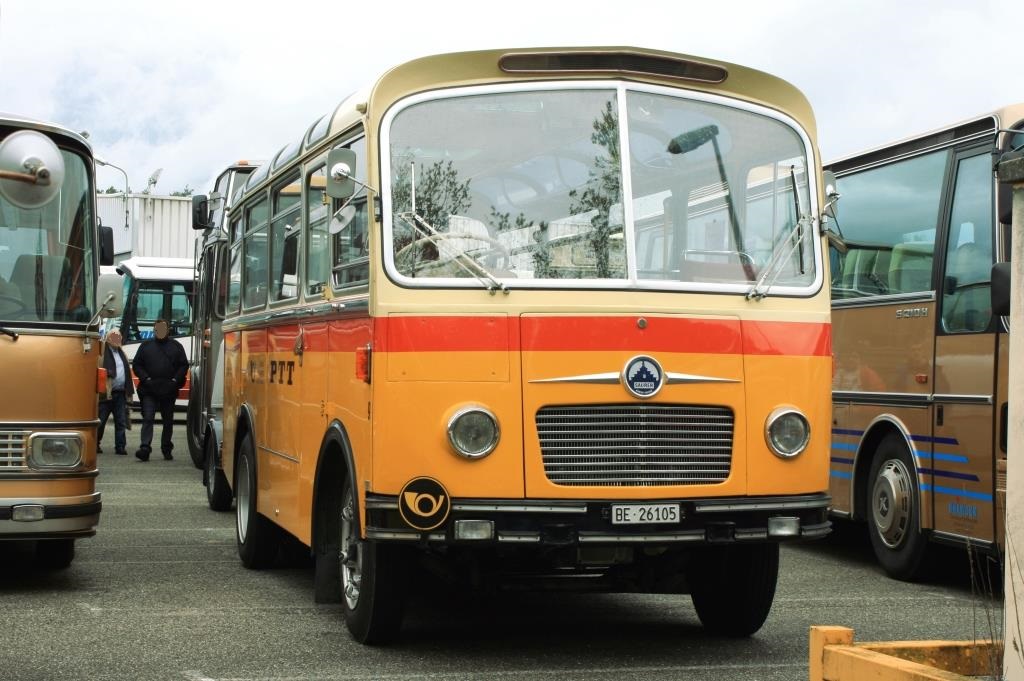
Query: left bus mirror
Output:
(341,168)
(200,212)
(831,194)
(108,292)
(106,245)
(1001,288)
(31,169)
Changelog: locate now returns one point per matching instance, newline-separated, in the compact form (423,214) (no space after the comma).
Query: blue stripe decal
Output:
(949,474)
(939,456)
(936,440)
(842,475)
(845,447)
(844,431)
(839,459)
(980,496)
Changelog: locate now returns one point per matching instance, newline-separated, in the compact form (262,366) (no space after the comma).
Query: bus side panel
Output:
(310,418)
(841,459)
(278,427)
(1002,395)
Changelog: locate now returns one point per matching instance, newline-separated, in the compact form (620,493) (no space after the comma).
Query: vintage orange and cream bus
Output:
(920,391)
(49,337)
(554,318)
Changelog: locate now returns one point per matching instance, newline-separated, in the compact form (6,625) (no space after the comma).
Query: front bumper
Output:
(572,523)
(61,517)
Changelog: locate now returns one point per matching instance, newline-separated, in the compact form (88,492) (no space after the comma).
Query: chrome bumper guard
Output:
(588,522)
(50,517)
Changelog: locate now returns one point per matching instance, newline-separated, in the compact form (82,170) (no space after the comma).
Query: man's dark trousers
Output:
(150,406)
(117,406)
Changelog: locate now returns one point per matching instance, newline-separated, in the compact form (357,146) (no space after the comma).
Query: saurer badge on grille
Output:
(643,377)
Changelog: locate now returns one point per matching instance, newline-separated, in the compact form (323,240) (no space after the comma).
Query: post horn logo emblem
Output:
(642,377)
(424,504)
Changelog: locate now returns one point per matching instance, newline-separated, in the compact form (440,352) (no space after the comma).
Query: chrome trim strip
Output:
(277,453)
(962,539)
(347,307)
(474,507)
(614,378)
(894,399)
(876,301)
(48,424)
(54,501)
(392,534)
(604,538)
(963,399)
(519,538)
(61,333)
(726,507)
(37,476)
(752,533)
(381,505)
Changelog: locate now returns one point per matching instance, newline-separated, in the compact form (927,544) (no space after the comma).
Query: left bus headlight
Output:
(55,450)
(787,432)
(473,432)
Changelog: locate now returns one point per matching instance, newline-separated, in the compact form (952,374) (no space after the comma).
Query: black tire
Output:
(218,493)
(258,539)
(893,510)
(373,584)
(733,586)
(55,554)
(194,429)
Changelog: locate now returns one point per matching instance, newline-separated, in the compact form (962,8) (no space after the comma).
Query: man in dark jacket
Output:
(119,392)
(160,365)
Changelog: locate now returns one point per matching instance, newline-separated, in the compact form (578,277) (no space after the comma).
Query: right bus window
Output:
(888,216)
(966,300)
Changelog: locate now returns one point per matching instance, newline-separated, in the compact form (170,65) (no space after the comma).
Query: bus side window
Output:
(234,292)
(317,249)
(254,265)
(966,300)
(349,231)
(284,230)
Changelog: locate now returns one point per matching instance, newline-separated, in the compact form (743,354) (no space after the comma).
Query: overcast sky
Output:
(192,86)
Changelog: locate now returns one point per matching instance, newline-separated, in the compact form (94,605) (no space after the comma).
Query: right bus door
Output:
(962,467)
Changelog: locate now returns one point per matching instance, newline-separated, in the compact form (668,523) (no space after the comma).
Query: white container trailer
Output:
(156,226)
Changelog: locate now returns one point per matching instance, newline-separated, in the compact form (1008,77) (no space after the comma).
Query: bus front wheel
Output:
(893,511)
(257,537)
(733,586)
(218,494)
(372,583)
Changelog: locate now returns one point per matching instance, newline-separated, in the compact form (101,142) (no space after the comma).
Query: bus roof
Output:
(15,120)
(979,126)
(164,269)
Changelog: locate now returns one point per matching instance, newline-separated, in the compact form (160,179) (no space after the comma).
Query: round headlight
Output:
(787,432)
(473,432)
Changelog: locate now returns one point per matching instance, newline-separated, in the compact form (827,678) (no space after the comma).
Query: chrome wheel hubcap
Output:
(242,505)
(892,499)
(350,555)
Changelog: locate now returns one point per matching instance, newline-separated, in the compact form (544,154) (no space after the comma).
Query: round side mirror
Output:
(31,169)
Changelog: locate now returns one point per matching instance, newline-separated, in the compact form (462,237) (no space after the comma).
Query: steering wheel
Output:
(406,252)
(17,302)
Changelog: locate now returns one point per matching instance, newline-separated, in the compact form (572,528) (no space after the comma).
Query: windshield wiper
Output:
(8,332)
(796,241)
(462,259)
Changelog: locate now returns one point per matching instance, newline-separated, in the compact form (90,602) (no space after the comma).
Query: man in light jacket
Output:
(119,393)
(160,365)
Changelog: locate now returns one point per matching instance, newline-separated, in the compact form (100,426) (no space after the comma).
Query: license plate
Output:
(644,514)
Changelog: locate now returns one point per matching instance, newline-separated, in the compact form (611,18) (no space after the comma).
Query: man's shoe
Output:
(168,456)
(121,452)
(142,455)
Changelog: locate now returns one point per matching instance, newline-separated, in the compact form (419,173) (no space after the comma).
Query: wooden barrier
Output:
(835,657)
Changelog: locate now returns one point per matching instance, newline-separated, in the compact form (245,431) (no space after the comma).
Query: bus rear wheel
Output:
(893,510)
(372,580)
(257,538)
(218,494)
(732,587)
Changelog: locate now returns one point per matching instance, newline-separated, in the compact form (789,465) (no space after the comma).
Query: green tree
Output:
(187,191)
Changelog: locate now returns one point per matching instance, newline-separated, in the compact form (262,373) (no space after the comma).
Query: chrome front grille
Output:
(635,445)
(12,448)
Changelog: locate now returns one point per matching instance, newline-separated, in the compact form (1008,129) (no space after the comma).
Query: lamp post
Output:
(111,165)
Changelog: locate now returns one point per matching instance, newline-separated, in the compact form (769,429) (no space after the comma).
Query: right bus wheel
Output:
(732,587)
(372,584)
(893,510)
(257,537)
(55,554)
(218,494)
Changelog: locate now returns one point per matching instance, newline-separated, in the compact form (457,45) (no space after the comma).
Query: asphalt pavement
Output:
(159,593)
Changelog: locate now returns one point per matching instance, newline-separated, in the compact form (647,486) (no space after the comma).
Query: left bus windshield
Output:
(529,185)
(46,259)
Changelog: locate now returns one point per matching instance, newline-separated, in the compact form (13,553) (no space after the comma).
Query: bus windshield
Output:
(152,300)
(530,185)
(46,260)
